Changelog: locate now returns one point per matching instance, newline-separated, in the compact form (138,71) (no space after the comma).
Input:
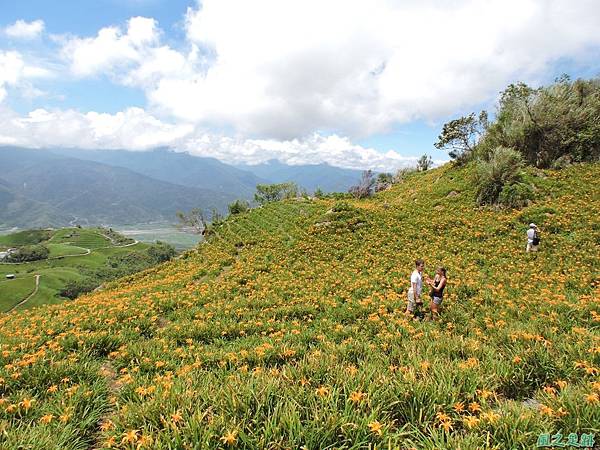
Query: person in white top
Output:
(532,238)
(416,287)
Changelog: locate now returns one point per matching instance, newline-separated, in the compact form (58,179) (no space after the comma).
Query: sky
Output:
(357,84)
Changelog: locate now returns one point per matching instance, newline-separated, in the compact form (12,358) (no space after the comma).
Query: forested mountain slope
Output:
(67,190)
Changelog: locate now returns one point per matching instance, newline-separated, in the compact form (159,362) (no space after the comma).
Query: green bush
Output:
(161,252)
(342,217)
(73,289)
(29,253)
(503,168)
(403,174)
(562,163)
(266,193)
(238,207)
(516,195)
(384,181)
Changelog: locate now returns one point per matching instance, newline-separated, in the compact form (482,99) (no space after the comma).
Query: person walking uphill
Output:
(416,287)
(533,239)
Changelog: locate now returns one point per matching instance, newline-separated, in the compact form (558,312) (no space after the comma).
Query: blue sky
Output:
(86,17)
(355,84)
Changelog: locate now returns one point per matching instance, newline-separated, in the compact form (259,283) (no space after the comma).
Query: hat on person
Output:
(532,225)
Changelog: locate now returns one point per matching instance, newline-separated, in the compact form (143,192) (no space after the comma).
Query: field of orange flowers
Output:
(286,330)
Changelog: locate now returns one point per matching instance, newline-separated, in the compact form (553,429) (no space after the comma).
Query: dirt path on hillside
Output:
(22,302)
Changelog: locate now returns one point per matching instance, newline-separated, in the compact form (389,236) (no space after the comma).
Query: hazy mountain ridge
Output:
(57,187)
(90,192)
(309,176)
(176,167)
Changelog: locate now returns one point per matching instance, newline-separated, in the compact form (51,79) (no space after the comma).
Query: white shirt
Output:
(530,235)
(417,279)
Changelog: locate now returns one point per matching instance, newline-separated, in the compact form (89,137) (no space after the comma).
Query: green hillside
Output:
(74,253)
(286,329)
(25,237)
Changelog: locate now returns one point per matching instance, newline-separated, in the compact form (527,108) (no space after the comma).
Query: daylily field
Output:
(286,329)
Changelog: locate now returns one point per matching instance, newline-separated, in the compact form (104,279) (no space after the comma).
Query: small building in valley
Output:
(10,276)
(7,253)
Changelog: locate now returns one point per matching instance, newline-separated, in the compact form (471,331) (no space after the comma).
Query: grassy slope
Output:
(286,329)
(87,238)
(54,273)
(13,291)
(26,237)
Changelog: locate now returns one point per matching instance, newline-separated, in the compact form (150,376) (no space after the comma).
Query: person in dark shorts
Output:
(437,291)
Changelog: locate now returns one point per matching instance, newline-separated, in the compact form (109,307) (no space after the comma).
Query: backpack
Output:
(536,239)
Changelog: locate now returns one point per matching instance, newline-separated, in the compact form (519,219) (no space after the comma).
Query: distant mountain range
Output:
(57,187)
(177,168)
(44,188)
(327,178)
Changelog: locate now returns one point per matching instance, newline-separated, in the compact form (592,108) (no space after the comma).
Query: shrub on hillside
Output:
(384,181)
(402,174)
(503,168)
(161,252)
(238,207)
(74,289)
(341,217)
(266,193)
(424,163)
(29,253)
(366,186)
(516,195)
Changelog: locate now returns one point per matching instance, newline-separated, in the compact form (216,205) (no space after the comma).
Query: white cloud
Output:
(111,48)
(131,129)
(333,149)
(135,129)
(25,30)
(15,72)
(299,81)
(283,69)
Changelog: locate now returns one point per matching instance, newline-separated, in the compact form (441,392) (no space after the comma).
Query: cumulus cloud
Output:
(136,129)
(132,128)
(316,148)
(287,68)
(131,56)
(25,30)
(300,81)
(15,72)
(111,48)
(283,69)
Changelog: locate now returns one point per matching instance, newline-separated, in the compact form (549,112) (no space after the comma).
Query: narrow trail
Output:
(22,302)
